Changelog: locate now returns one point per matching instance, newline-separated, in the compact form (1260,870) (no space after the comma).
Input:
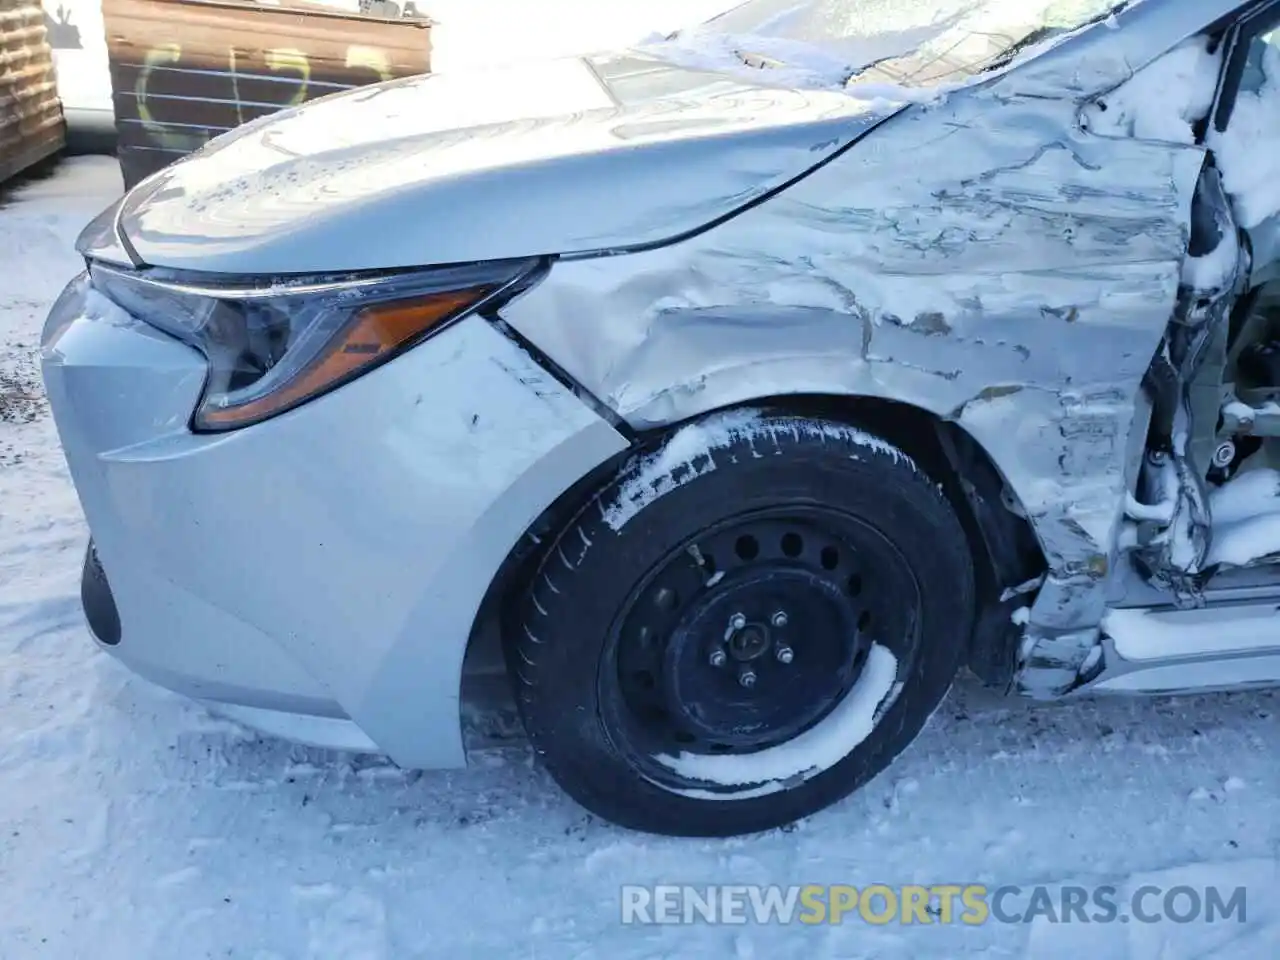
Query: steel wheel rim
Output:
(840,585)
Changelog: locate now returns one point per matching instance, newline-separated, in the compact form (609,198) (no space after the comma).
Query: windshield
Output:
(904,42)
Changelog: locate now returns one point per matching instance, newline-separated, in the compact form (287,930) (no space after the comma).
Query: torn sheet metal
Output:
(985,259)
(1190,383)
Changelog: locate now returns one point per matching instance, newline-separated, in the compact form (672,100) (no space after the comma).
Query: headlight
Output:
(273,346)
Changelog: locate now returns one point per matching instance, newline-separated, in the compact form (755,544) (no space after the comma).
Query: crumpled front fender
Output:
(987,260)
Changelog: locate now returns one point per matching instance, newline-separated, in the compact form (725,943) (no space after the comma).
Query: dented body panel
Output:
(1003,257)
(987,259)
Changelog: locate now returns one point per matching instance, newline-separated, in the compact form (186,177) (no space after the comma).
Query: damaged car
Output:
(736,391)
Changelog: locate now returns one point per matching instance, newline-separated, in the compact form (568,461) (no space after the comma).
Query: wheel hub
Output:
(752,641)
(731,677)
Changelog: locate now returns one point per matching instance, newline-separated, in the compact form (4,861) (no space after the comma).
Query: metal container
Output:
(184,71)
(31,126)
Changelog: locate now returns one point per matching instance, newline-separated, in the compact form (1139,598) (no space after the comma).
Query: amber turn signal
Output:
(374,333)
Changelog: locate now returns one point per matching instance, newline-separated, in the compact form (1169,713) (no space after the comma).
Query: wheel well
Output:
(1004,547)
(1003,544)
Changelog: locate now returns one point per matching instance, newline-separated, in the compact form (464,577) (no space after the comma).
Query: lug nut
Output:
(747,678)
(718,658)
(737,621)
(784,655)
(780,619)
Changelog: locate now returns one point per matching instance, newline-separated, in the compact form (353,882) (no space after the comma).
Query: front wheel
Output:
(743,627)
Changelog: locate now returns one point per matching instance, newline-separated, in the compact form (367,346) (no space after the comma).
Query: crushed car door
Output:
(1209,496)
(1232,396)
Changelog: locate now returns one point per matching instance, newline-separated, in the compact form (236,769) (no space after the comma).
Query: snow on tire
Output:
(743,626)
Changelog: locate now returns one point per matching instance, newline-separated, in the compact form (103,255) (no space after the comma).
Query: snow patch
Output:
(1127,538)
(1021,616)
(1250,494)
(794,64)
(1248,151)
(1240,545)
(814,751)
(1241,411)
(1165,99)
(1215,269)
(1140,634)
(690,453)
(1159,512)
(1246,518)
(1091,660)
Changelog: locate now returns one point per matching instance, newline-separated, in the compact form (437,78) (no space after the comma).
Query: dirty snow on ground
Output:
(134,826)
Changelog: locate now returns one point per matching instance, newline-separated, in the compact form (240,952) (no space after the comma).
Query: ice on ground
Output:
(814,751)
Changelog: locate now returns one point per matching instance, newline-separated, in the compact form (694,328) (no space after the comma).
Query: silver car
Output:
(740,389)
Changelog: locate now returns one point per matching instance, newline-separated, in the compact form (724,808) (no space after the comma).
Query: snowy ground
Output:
(133,826)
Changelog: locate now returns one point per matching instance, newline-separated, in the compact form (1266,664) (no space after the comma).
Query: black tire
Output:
(587,717)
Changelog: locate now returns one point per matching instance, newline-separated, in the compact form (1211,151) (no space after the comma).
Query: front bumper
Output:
(319,574)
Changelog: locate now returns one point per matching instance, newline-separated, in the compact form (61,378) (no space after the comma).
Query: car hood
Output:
(557,157)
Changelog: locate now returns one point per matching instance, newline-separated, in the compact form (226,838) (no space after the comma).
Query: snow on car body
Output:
(962,280)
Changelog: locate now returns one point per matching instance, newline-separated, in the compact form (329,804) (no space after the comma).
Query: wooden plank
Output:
(183,71)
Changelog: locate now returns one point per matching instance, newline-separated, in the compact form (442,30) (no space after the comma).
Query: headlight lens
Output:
(274,346)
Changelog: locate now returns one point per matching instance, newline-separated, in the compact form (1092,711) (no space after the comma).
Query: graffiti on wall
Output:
(245,86)
(185,71)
